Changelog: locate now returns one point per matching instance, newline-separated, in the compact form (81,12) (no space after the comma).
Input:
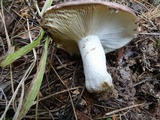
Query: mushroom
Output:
(91,28)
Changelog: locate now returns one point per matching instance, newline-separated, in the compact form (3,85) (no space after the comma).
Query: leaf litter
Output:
(135,69)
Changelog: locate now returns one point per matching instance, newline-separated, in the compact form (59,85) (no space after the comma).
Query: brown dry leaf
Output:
(120,54)
(114,117)
(24,12)
(89,101)
(25,35)
(82,116)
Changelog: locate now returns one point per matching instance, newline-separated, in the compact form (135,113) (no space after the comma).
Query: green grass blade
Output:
(22,51)
(35,84)
(46,5)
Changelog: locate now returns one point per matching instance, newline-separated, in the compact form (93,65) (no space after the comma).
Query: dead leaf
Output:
(10,19)
(82,116)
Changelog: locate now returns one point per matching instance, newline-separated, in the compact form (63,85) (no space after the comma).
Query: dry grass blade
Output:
(22,93)
(14,56)
(122,109)
(54,94)
(67,91)
(150,21)
(136,72)
(35,84)
(114,112)
(3,20)
(17,89)
(46,5)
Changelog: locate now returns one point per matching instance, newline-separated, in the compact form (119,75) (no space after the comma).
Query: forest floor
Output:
(135,69)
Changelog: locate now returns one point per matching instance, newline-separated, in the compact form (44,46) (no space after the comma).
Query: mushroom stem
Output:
(97,79)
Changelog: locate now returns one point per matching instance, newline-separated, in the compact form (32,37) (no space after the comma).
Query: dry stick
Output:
(37,104)
(43,113)
(10,49)
(18,87)
(31,9)
(20,34)
(61,63)
(20,102)
(46,97)
(12,84)
(22,93)
(13,1)
(2,44)
(3,21)
(122,109)
(5,97)
(68,92)
(8,41)
(30,37)
(27,73)
(65,65)
(49,112)
(36,5)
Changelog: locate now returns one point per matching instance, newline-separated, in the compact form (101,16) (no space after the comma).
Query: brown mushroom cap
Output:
(69,22)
